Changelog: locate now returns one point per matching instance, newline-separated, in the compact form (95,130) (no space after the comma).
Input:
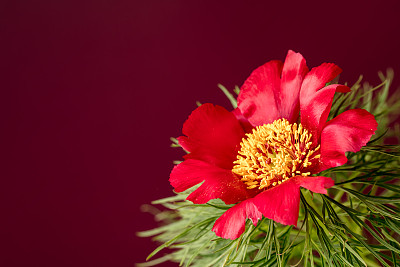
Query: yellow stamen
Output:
(273,153)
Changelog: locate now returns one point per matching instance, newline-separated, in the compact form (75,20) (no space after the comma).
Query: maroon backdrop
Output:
(91,91)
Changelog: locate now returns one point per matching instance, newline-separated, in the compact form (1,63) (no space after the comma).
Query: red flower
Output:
(258,156)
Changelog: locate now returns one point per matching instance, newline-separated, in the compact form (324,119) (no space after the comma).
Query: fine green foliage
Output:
(356,224)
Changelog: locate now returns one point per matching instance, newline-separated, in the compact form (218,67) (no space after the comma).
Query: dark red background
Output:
(91,91)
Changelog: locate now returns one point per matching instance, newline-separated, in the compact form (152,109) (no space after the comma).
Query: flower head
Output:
(260,154)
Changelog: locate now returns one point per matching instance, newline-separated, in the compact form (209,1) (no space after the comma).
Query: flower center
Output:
(273,153)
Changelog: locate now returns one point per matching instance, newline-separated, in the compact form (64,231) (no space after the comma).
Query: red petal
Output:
(232,223)
(347,132)
(294,70)
(315,102)
(244,122)
(317,184)
(213,135)
(259,96)
(280,203)
(315,109)
(317,78)
(218,183)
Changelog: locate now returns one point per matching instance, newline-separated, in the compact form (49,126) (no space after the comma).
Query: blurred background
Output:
(91,92)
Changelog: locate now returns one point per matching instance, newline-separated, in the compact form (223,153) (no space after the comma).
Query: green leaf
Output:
(171,241)
(231,98)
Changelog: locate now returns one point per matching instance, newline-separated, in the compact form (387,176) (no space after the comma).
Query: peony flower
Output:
(260,154)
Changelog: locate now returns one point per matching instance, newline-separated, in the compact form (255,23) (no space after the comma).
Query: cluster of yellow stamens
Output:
(273,153)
